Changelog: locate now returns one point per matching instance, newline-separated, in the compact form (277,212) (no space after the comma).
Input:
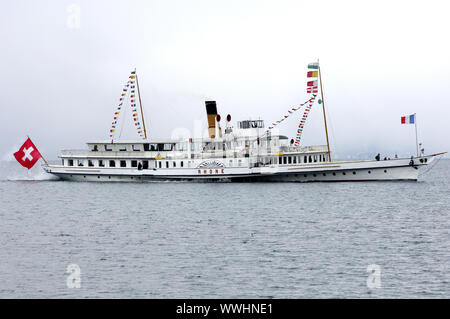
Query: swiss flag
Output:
(28,154)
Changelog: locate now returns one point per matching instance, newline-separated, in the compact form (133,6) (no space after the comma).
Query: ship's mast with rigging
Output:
(324,114)
(140,104)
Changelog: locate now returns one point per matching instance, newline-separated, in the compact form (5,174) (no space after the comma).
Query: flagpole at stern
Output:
(46,163)
(417,140)
(324,115)
(43,158)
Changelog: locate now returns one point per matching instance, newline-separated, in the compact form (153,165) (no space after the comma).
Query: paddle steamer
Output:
(249,152)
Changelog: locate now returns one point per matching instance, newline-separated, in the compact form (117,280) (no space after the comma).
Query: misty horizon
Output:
(63,70)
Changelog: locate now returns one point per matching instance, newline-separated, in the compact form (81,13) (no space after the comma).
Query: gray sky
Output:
(380,60)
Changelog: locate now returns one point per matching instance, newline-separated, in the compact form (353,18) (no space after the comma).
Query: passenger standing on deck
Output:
(377,157)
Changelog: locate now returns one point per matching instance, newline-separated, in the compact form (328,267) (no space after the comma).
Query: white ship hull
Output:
(389,170)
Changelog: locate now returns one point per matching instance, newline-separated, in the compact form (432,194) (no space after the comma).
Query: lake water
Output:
(224,240)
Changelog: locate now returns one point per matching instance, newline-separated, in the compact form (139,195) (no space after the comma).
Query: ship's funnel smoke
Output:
(211,113)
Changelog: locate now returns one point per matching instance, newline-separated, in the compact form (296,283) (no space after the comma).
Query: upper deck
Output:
(193,148)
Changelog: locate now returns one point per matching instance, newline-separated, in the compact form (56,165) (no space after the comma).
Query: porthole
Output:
(84,176)
(354,173)
(109,177)
(324,174)
(385,171)
(369,172)
(305,175)
(334,174)
(98,176)
(343,173)
(425,160)
(314,175)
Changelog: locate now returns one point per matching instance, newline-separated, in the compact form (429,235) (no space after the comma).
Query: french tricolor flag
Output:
(409,119)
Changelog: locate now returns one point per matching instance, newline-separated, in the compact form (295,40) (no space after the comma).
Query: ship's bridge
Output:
(247,124)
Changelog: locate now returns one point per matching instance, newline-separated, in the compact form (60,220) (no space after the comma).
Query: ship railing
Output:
(304,149)
(249,152)
(74,152)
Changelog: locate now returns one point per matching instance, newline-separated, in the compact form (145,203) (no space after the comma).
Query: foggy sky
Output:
(381,60)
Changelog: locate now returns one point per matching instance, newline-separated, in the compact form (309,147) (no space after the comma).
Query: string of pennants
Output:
(290,112)
(312,87)
(303,120)
(128,94)
(136,120)
(115,120)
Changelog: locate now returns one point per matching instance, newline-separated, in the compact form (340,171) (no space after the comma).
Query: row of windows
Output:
(102,163)
(250,124)
(144,164)
(109,177)
(181,146)
(282,160)
(302,159)
(163,147)
(335,174)
(222,171)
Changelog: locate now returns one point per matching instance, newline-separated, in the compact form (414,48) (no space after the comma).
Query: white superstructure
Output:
(235,156)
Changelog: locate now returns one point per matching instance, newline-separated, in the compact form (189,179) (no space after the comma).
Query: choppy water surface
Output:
(199,240)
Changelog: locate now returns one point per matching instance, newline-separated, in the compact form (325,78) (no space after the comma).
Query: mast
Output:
(140,104)
(324,115)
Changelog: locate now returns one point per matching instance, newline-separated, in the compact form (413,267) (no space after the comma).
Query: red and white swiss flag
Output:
(28,154)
